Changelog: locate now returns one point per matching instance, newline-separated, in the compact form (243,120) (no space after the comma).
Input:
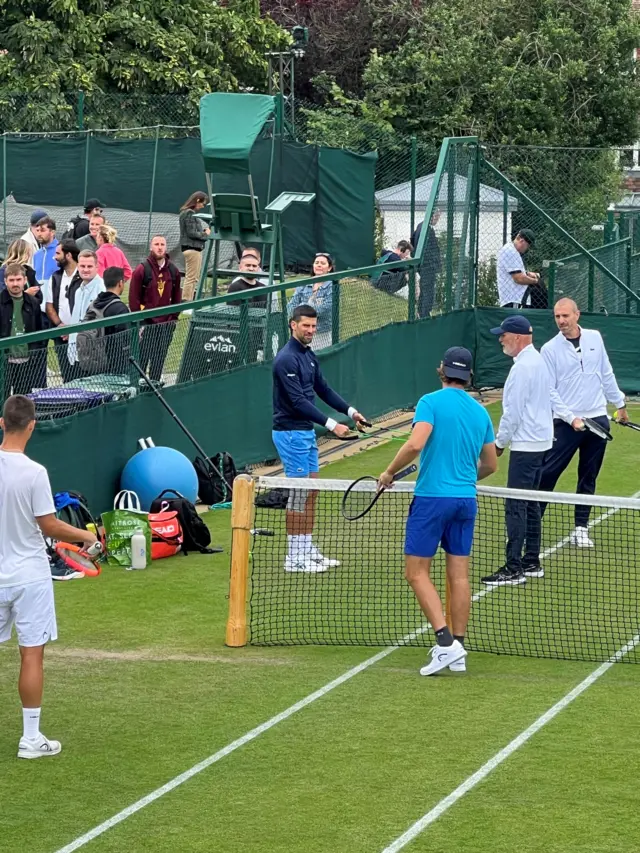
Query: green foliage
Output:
(546,73)
(148,47)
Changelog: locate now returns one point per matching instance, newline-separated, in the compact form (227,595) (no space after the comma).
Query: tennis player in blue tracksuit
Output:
(297,379)
(454,436)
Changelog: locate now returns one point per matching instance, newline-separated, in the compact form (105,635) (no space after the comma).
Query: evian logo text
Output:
(218,343)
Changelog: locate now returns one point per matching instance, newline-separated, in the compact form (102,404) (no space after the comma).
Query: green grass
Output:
(140,688)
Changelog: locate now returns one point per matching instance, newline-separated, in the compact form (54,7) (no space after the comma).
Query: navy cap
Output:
(456,363)
(516,323)
(37,215)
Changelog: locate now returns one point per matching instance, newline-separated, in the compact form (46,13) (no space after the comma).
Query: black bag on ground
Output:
(213,489)
(275,499)
(72,508)
(194,530)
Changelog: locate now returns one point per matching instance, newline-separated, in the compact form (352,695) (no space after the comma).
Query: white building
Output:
(394,204)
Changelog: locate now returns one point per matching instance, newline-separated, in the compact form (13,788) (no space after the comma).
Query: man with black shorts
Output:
(453,434)
(297,379)
(27,512)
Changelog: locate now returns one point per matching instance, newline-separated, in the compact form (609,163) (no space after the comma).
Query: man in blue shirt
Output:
(454,436)
(297,379)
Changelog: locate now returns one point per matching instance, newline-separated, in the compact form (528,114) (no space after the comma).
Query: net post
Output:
(242,511)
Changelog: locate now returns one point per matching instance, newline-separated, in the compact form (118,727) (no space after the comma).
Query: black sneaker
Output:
(504,577)
(62,572)
(534,570)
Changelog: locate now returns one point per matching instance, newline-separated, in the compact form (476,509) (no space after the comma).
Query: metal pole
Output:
(80,110)
(505,214)
(591,286)
(473,232)
(4,187)
(552,282)
(451,201)
(414,167)
(86,166)
(292,97)
(153,181)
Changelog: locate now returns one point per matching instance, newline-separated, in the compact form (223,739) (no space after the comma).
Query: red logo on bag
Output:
(166,534)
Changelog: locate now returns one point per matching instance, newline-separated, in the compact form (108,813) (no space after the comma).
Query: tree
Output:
(548,72)
(122,51)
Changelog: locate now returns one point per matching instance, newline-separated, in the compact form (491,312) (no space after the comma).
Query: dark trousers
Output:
(68,371)
(590,456)
(23,377)
(428,276)
(523,517)
(155,343)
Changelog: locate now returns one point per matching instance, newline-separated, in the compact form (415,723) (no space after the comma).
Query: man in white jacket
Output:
(581,374)
(526,426)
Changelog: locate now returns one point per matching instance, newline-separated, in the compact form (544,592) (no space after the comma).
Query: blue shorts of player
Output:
(446,521)
(297,450)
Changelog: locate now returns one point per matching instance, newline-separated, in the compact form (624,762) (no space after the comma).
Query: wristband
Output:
(351,411)
(331,424)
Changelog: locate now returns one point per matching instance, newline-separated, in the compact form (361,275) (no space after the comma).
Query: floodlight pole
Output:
(281,82)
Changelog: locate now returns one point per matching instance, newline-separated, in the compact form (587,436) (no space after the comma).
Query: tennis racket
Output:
(596,429)
(629,424)
(362,494)
(79,559)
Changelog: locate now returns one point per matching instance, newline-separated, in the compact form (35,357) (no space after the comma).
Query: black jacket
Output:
(112,306)
(31,315)
(32,281)
(297,379)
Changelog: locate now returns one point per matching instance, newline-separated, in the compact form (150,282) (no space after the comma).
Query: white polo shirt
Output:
(527,420)
(509,261)
(582,377)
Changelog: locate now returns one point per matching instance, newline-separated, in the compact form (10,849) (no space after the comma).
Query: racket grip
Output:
(94,550)
(405,472)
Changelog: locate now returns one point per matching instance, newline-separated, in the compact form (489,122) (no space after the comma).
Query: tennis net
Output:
(585,607)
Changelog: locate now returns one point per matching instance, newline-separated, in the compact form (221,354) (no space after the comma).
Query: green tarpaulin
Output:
(229,127)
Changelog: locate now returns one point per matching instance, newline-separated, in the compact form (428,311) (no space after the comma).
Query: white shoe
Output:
(580,538)
(38,748)
(303,564)
(444,656)
(328,562)
(458,666)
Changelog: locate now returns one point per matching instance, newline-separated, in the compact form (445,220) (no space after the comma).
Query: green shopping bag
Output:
(119,526)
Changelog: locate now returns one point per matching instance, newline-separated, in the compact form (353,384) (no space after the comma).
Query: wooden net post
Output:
(242,513)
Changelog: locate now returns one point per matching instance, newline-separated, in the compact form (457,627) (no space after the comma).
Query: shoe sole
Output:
(305,571)
(71,577)
(506,583)
(453,668)
(539,573)
(31,755)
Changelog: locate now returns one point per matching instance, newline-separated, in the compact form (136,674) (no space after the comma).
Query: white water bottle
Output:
(138,550)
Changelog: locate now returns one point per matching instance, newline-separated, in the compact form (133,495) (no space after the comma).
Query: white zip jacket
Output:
(584,380)
(527,419)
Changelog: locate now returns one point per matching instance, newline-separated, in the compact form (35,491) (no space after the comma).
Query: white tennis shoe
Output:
(444,656)
(39,747)
(580,538)
(459,665)
(303,563)
(317,557)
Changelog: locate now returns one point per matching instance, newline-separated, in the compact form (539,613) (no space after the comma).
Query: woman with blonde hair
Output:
(193,236)
(20,252)
(108,254)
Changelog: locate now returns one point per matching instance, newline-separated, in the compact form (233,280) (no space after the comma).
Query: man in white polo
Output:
(581,374)
(526,426)
(513,279)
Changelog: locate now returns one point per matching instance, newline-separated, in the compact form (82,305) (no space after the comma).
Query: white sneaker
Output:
(458,666)
(328,562)
(303,564)
(38,747)
(444,656)
(580,538)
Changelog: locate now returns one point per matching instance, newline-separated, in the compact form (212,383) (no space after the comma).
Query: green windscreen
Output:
(229,126)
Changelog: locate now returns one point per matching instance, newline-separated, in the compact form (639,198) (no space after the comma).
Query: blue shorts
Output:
(446,521)
(297,450)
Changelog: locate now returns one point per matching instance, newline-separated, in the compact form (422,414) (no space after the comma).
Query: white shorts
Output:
(31,608)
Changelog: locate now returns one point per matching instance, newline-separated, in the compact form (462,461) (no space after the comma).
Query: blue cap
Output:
(516,323)
(456,363)
(37,215)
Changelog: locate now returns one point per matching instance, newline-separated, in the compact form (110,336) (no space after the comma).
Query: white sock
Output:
(31,722)
(296,546)
(307,544)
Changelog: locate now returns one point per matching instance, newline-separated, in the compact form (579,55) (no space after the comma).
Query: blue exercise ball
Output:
(155,469)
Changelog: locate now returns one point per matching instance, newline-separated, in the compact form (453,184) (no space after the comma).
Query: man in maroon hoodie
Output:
(154,283)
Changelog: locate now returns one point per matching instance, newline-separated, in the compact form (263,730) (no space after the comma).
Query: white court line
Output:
(82,840)
(481,774)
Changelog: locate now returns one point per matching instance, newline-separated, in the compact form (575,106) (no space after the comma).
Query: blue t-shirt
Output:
(449,459)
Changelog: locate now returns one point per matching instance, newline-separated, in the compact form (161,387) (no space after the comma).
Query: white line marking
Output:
(481,774)
(82,840)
